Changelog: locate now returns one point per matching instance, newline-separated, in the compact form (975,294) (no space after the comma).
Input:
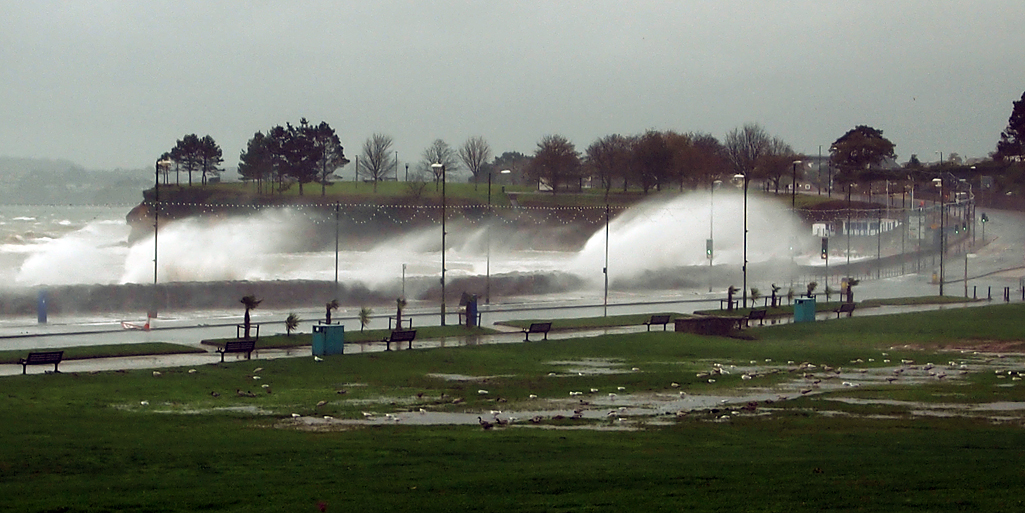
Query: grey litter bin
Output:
(804,309)
(328,339)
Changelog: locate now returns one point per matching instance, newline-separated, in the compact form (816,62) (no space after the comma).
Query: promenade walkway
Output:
(28,334)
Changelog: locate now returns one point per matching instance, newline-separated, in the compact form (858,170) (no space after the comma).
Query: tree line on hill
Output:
(655,160)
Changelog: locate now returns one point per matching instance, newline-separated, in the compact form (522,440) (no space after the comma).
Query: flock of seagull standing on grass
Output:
(812,377)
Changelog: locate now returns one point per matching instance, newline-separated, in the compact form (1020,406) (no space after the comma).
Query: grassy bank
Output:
(184,441)
(104,351)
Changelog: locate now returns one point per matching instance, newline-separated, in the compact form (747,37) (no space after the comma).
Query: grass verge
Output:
(186,441)
(104,351)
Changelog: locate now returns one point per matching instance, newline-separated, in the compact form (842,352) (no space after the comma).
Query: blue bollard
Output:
(41,307)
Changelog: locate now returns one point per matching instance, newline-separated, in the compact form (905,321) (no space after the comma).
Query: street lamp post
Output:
(156,221)
(487,282)
(829,180)
(744,268)
(435,167)
(940,182)
(338,207)
(848,230)
(793,186)
(162,162)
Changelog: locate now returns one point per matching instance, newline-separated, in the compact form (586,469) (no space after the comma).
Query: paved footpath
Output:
(70,334)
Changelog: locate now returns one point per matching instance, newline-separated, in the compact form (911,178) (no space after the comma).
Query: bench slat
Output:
(657,319)
(400,336)
(845,308)
(238,346)
(537,327)
(41,358)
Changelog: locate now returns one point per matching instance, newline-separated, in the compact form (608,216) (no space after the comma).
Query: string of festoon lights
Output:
(399,214)
(474,214)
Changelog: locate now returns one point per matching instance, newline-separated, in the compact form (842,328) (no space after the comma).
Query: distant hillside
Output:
(44,181)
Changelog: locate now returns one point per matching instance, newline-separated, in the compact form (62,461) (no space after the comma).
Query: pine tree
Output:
(1012,140)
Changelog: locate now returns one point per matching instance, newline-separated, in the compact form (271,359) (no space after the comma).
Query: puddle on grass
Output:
(612,409)
(589,367)
(461,377)
(923,408)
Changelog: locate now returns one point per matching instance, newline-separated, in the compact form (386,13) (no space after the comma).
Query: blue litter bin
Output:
(328,339)
(804,309)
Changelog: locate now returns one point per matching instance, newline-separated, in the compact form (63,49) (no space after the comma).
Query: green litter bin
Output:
(804,309)
(328,339)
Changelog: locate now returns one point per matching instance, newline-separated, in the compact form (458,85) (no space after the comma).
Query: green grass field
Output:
(132,440)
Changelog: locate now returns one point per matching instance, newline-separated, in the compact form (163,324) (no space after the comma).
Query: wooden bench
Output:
(845,308)
(657,319)
(41,358)
(537,327)
(757,314)
(237,346)
(400,336)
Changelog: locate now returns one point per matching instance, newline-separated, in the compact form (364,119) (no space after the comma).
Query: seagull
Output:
(296,415)
(256,377)
(144,403)
(317,359)
(674,385)
(621,389)
(257,370)
(321,403)
(192,371)
(594,390)
(156,374)
(532,396)
(367,415)
(482,392)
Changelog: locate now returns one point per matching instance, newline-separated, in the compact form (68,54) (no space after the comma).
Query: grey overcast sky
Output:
(115,83)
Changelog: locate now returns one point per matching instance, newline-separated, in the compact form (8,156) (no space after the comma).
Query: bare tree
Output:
(556,161)
(607,158)
(744,146)
(709,158)
(378,157)
(653,159)
(475,153)
(439,152)
(416,184)
(777,162)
